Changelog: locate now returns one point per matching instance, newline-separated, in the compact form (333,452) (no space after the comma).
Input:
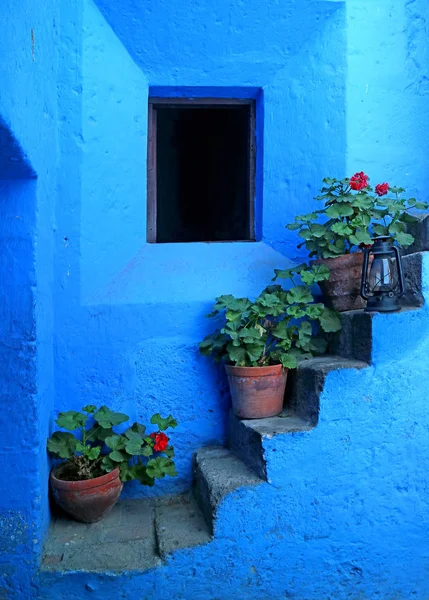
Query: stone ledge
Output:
(218,472)
(133,537)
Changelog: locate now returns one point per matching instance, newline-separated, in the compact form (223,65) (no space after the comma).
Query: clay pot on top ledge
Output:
(342,290)
(88,500)
(257,392)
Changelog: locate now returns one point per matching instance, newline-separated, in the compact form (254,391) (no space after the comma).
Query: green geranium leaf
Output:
(71,420)
(97,433)
(134,447)
(330,320)
(118,456)
(397,227)
(421,205)
(138,428)
(362,203)
(158,467)
(293,226)
(361,221)
(318,345)
(116,442)
(380,230)
(62,444)
(128,472)
(93,453)
(282,331)
(162,423)
(341,229)
(300,293)
(289,361)
(143,476)
(283,274)
(306,218)
(296,311)
(107,464)
(305,234)
(339,210)
(237,355)
(89,408)
(407,218)
(304,335)
(314,311)
(250,335)
(318,230)
(404,239)
(316,274)
(213,344)
(107,418)
(254,351)
(379,213)
(360,237)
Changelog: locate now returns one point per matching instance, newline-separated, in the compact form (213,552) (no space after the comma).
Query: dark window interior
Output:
(203,173)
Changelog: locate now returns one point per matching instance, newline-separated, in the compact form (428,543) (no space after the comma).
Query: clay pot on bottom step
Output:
(89,500)
(342,290)
(257,392)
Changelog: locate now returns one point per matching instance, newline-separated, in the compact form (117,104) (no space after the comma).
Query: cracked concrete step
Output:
(300,416)
(180,524)
(218,472)
(133,537)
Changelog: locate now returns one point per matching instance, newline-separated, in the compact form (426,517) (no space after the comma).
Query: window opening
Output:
(201,170)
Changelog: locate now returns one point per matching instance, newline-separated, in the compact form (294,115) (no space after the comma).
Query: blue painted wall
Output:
(93,313)
(129,314)
(28,123)
(345,513)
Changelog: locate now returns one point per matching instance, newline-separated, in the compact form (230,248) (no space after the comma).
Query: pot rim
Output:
(255,371)
(83,483)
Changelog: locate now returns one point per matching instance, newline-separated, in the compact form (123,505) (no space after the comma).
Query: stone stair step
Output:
(218,472)
(133,537)
(300,416)
(308,380)
(246,437)
(179,523)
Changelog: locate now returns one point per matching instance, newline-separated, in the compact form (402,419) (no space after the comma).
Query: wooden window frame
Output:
(154,103)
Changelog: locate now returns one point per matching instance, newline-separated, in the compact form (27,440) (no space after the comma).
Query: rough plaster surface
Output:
(346,506)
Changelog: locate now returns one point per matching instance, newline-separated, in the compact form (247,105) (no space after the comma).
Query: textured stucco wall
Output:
(27,150)
(345,513)
(129,314)
(339,87)
(387,92)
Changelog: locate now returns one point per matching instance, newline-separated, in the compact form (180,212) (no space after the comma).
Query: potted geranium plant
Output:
(352,214)
(96,460)
(260,340)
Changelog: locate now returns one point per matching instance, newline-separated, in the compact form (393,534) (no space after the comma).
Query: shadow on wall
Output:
(18,424)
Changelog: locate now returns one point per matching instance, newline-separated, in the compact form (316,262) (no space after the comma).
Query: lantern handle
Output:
(400,272)
(364,274)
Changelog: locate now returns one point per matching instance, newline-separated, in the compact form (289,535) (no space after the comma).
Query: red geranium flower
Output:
(161,441)
(381,189)
(359,181)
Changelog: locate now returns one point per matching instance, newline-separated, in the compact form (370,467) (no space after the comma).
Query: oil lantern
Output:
(382,276)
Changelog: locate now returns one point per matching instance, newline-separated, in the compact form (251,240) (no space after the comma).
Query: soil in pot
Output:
(257,392)
(87,500)
(342,290)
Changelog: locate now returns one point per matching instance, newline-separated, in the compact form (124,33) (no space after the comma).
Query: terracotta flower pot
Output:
(342,290)
(257,392)
(89,500)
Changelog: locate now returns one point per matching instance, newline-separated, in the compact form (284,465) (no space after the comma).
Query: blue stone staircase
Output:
(332,472)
